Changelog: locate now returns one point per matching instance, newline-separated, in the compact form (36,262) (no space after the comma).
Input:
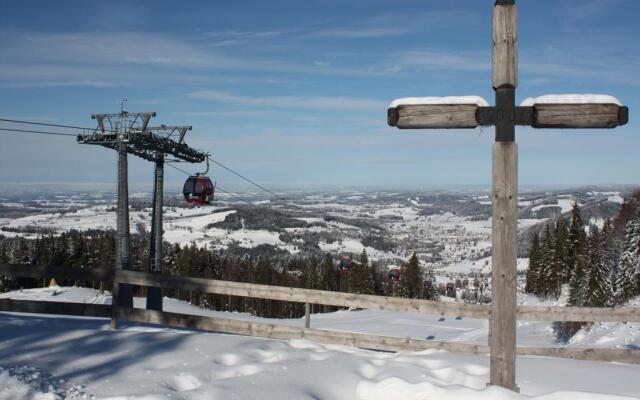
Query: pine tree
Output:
(578,279)
(577,242)
(410,284)
(311,273)
(361,278)
(534,266)
(559,259)
(4,254)
(547,278)
(598,283)
(628,278)
(328,274)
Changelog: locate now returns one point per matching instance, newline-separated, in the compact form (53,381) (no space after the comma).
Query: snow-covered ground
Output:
(388,323)
(42,357)
(482,265)
(45,357)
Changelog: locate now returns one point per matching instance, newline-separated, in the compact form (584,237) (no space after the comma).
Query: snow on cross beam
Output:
(577,111)
(435,112)
(549,111)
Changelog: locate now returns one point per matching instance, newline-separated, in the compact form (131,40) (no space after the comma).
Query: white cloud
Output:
(429,59)
(291,101)
(358,33)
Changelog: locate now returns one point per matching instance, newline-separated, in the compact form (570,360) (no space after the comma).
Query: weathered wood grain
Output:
(629,356)
(362,340)
(505,46)
(576,116)
(453,116)
(300,295)
(531,313)
(274,331)
(55,307)
(502,326)
(307,315)
(578,314)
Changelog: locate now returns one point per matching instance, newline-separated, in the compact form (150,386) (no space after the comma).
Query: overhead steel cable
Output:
(217,186)
(233,195)
(252,182)
(17,121)
(277,196)
(8,130)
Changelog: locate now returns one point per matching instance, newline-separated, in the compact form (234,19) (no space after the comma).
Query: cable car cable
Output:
(217,186)
(8,130)
(17,121)
(209,158)
(256,184)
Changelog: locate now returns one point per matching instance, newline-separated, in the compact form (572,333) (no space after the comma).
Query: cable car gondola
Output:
(394,274)
(198,189)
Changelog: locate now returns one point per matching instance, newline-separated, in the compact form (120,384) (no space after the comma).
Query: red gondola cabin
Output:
(198,190)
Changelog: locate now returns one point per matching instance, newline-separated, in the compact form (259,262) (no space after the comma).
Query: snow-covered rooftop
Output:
(415,101)
(571,99)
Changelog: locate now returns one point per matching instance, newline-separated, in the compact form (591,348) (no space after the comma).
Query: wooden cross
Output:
(553,111)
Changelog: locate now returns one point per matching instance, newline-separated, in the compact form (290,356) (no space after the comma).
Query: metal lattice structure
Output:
(130,133)
(140,139)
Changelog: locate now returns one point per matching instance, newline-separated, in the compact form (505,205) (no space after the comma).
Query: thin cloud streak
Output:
(361,33)
(290,101)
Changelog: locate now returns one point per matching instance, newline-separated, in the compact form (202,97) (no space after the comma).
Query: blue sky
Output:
(294,93)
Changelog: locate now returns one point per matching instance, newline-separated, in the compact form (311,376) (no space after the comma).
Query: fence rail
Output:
(299,295)
(309,296)
(56,307)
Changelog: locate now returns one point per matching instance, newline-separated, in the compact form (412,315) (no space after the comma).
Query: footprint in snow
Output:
(183,383)
(228,359)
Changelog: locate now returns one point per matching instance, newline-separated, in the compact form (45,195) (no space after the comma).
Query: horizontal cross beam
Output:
(466,116)
(145,145)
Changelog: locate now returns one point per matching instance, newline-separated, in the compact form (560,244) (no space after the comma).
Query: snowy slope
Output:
(78,357)
(387,323)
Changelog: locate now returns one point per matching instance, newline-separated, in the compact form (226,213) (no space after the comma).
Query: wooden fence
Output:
(309,296)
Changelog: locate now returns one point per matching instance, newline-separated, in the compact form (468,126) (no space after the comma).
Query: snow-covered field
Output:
(42,357)
(388,323)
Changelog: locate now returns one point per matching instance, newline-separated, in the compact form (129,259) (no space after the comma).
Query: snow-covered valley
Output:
(449,231)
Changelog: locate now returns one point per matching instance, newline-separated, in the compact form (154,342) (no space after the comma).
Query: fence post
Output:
(307,315)
(114,302)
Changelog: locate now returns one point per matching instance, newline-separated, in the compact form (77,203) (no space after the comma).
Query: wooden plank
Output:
(577,116)
(115,287)
(362,340)
(505,46)
(274,331)
(502,326)
(55,307)
(531,313)
(578,314)
(307,315)
(629,356)
(41,271)
(458,116)
(299,295)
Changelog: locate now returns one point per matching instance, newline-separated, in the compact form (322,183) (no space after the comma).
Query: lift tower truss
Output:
(130,133)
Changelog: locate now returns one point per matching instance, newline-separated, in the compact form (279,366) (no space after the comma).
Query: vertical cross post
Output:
(502,326)
(462,112)
(154,295)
